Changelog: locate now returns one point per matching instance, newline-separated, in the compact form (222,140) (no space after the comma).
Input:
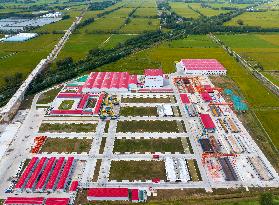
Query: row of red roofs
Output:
(36,201)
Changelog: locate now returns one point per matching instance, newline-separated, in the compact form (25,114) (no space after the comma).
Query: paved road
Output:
(20,146)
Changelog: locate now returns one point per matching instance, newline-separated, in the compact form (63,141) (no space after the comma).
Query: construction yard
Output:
(109,137)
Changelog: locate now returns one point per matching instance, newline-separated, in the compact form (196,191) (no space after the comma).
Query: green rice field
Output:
(24,56)
(104,24)
(146,12)
(267,19)
(115,39)
(257,48)
(183,10)
(207,11)
(78,45)
(139,25)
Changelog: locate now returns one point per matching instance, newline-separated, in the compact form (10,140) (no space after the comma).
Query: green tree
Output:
(240,22)
(266,199)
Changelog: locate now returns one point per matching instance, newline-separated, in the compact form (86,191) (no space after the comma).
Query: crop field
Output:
(91,14)
(272,5)
(136,3)
(257,48)
(272,76)
(227,4)
(193,41)
(25,55)
(148,4)
(121,13)
(146,12)
(267,19)
(269,119)
(183,10)
(207,11)
(104,24)
(139,25)
(114,40)
(79,44)
(148,145)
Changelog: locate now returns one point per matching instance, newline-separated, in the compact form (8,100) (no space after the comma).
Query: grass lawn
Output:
(267,19)
(148,145)
(140,25)
(137,170)
(138,111)
(193,170)
(148,126)
(66,145)
(48,96)
(66,105)
(183,10)
(146,100)
(56,127)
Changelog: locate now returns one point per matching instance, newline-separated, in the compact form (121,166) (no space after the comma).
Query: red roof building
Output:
(135,195)
(54,176)
(105,81)
(184,98)
(206,97)
(45,174)
(57,201)
(202,64)
(26,174)
(24,200)
(153,72)
(207,122)
(36,173)
(208,88)
(201,67)
(65,173)
(108,194)
(73,186)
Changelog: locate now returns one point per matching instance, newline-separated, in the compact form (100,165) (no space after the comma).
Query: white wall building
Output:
(154,78)
(201,67)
